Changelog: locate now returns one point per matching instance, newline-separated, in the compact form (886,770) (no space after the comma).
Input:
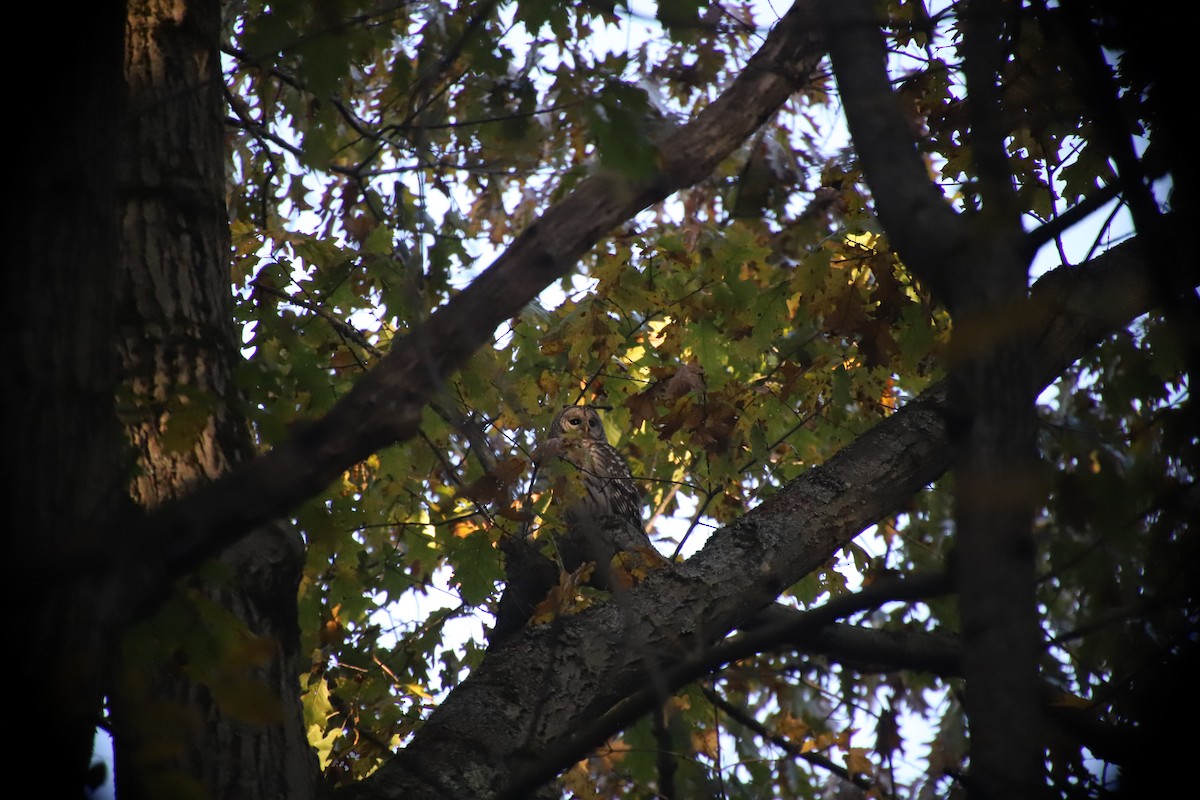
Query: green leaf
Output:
(477,567)
(621,123)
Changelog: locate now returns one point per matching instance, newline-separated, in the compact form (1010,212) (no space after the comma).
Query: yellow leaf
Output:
(793,304)
(791,727)
(827,740)
(580,782)
(564,598)
(866,240)
(464,528)
(857,762)
(705,743)
(417,690)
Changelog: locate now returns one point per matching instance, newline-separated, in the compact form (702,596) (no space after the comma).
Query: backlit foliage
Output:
(382,152)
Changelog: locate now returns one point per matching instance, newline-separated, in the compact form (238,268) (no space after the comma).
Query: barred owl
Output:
(595,483)
(600,506)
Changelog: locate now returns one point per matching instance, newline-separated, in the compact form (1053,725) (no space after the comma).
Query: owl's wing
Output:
(625,497)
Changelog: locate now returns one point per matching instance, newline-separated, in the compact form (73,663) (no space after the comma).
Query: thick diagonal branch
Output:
(384,406)
(549,682)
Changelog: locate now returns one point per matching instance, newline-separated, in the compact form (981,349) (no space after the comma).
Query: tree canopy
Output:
(927,512)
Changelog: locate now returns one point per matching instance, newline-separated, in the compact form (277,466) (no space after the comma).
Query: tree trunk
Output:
(976,264)
(999,480)
(218,658)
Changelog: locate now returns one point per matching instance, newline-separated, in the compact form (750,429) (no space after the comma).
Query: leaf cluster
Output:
(737,335)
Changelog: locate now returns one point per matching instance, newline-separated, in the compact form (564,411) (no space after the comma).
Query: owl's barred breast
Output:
(603,485)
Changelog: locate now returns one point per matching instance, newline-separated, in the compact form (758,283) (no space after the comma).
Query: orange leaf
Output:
(791,727)
(705,743)
(857,762)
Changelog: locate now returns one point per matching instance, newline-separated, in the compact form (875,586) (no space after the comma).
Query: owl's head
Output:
(581,422)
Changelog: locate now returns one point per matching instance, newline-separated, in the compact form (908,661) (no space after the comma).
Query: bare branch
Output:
(743,718)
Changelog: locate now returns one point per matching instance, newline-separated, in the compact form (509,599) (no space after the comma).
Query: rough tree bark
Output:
(177,348)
